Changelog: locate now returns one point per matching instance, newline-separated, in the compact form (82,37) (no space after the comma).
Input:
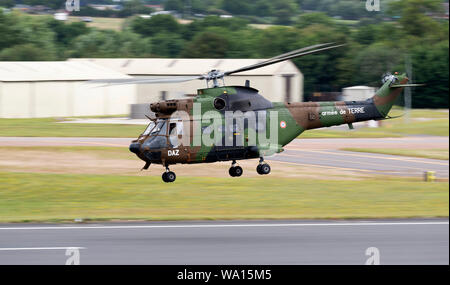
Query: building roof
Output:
(55,71)
(191,66)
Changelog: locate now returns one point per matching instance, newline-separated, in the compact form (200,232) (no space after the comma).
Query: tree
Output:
(27,52)
(207,45)
(262,8)
(133,7)
(237,7)
(373,61)
(65,33)
(413,15)
(321,70)
(9,30)
(174,5)
(108,43)
(430,66)
(284,11)
(7,3)
(308,19)
(277,40)
(167,44)
(156,24)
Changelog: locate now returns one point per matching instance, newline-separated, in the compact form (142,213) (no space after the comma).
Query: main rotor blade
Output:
(296,51)
(145,80)
(277,59)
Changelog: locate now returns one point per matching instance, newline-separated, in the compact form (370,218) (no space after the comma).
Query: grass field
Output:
(60,197)
(103,23)
(423,153)
(424,122)
(50,127)
(98,151)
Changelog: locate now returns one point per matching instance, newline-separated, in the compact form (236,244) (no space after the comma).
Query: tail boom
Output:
(313,115)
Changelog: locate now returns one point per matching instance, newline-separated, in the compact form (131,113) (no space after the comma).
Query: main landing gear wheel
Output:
(169,176)
(235,171)
(263,168)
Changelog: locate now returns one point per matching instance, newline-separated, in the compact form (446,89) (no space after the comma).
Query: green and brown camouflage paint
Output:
(293,119)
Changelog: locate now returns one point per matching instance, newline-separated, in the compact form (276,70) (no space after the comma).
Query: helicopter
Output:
(232,123)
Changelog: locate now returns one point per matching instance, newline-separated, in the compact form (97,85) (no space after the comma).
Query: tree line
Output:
(373,46)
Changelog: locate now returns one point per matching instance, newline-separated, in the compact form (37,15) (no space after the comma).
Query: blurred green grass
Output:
(422,153)
(62,197)
(50,127)
(99,151)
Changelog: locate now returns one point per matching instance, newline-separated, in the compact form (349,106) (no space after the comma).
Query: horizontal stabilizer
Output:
(406,85)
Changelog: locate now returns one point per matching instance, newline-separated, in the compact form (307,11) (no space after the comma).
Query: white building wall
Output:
(50,99)
(39,99)
(15,100)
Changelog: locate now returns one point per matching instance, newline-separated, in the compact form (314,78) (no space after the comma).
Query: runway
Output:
(322,153)
(229,242)
(368,163)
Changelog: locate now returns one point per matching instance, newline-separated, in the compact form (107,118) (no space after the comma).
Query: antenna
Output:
(407,92)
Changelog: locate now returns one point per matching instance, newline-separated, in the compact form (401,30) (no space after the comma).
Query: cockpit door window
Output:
(175,132)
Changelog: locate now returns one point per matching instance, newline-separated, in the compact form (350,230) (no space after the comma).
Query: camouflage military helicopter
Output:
(179,130)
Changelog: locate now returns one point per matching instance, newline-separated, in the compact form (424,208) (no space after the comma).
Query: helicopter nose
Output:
(135,147)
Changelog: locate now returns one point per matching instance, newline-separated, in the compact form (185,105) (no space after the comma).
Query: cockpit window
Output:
(160,129)
(148,129)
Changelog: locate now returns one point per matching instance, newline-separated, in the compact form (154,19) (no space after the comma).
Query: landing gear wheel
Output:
(169,177)
(263,169)
(235,171)
(238,171)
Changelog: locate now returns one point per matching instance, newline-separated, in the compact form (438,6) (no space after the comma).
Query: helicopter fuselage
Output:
(234,122)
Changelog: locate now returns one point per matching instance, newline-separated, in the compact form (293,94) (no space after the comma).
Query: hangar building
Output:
(58,89)
(278,82)
(357,93)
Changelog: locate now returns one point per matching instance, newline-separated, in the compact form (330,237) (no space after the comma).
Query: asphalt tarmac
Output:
(229,242)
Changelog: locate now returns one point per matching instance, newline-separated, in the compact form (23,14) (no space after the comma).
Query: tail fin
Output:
(385,97)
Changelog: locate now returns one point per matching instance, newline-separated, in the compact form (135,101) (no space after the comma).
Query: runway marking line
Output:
(318,165)
(40,248)
(406,159)
(227,225)
(367,163)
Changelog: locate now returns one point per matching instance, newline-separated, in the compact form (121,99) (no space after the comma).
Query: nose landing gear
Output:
(168,176)
(235,171)
(263,168)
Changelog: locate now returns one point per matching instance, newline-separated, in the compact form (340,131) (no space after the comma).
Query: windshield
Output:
(160,129)
(148,129)
(156,129)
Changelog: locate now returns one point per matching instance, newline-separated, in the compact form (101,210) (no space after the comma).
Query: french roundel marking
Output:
(283,124)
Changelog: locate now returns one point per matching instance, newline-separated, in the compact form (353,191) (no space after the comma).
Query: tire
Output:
(264,168)
(170,176)
(258,169)
(164,177)
(238,171)
(231,172)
